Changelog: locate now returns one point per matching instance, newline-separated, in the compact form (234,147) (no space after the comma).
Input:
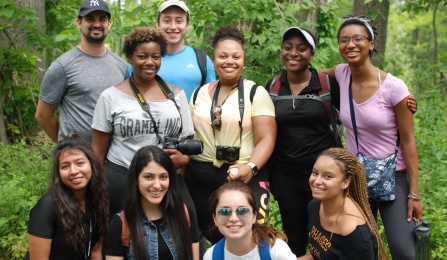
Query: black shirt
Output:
(303,133)
(44,222)
(360,244)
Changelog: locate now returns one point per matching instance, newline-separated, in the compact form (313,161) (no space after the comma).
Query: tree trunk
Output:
(39,6)
(381,8)
(3,137)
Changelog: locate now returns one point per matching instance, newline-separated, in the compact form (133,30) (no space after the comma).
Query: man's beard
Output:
(95,39)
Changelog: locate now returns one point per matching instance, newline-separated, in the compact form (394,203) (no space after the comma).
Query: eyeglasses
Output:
(217,122)
(224,214)
(362,18)
(356,39)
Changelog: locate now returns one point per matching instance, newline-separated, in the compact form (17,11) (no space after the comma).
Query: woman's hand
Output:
(240,172)
(180,160)
(414,210)
(412,104)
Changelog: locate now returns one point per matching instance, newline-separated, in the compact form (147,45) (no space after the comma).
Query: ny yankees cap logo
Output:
(93,5)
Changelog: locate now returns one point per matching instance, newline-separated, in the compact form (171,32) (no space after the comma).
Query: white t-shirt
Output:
(280,251)
(132,128)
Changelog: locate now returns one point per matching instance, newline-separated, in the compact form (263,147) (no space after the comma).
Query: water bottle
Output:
(422,232)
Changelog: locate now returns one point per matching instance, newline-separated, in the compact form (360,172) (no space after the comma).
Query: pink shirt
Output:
(375,118)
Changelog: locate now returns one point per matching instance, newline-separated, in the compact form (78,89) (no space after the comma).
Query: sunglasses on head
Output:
(225,213)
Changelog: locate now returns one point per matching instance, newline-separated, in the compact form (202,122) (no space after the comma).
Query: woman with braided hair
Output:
(341,223)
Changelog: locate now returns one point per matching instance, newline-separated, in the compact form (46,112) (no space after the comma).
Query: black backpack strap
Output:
(194,95)
(253,92)
(201,59)
(332,114)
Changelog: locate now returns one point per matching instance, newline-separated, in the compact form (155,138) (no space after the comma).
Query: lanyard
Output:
(240,92)
(145,106)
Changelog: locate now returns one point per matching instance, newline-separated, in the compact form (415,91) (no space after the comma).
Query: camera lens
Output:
(232,154)
(190,147)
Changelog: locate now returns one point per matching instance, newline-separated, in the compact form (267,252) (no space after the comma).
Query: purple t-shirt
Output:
(375,118)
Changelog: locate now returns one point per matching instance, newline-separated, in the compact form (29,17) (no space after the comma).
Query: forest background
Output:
(412,45)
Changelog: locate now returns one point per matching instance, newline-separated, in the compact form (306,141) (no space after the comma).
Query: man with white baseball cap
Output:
(183,65)
(75,80)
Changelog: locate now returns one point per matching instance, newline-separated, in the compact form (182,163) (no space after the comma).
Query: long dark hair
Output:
(96,197)
(172,206)
(260,232)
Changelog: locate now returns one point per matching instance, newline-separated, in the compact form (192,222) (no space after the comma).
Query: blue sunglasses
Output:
(225,213)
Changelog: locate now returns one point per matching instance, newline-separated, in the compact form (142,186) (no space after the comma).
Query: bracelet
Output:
(412,196)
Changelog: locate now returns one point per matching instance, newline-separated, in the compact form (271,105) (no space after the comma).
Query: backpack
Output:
(125,234)
(219,252)
(324,96)
(213,85)
(201,59)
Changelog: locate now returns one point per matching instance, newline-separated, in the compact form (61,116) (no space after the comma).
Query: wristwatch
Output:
(254,168)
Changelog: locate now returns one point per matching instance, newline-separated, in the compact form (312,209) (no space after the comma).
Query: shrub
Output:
(24,179)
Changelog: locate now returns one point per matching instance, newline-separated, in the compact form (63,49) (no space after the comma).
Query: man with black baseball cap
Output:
(93,5)
(75,80)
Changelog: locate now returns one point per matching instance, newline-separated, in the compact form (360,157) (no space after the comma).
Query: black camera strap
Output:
(240,91)
(145,105)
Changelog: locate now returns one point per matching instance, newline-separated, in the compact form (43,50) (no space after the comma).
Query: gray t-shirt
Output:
(132,128)
(74,81)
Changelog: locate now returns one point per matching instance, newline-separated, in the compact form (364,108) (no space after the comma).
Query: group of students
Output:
(250,146)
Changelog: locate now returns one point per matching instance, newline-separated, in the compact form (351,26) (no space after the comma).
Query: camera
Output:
(229,153)
(188,147)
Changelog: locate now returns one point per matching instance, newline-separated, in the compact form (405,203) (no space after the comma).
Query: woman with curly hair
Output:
(159,225)
(122,124)
(235,120)
(70,221)
(341,223)
(234,213)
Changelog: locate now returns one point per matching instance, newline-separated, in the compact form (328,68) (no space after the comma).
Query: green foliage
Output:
(24,180)
(18,69)
(25,168)
(413,63)
(275,220)
(431,142)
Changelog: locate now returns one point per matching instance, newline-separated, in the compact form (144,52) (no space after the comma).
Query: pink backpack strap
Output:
(212,86)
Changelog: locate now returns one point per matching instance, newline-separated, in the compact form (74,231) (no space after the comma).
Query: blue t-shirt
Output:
(182,69)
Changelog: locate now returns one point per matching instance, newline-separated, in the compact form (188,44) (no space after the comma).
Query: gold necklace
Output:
(296,85)
(336,218)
